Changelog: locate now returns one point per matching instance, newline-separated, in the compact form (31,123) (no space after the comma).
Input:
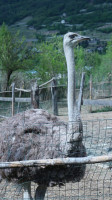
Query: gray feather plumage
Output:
(35,134)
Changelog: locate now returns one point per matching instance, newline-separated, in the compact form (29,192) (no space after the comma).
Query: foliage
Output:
(51,59)
(106,30)
(79,58)
(60,27)
(105,69)
(48,11)
(13,53)
(47,59)
(93,60)
(41,38)
(104,109)
(86,61)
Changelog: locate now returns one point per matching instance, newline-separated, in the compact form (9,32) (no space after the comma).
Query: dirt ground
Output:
(86,115)
(97,182)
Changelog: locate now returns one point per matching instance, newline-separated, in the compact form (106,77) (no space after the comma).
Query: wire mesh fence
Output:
(74,182)
(91,91)
(102,89)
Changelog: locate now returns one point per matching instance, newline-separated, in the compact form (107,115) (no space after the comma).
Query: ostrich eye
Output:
(72,36)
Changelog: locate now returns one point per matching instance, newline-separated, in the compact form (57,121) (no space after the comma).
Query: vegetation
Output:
(104,109)
(46,12)
(51,60)
(106,29)
(87,61)
(104,70)
(99,65)
(14,55)
(46,59)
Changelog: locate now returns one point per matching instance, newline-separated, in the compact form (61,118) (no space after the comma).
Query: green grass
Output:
(104,109)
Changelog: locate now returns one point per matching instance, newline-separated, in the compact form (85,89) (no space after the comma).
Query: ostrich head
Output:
(71,39)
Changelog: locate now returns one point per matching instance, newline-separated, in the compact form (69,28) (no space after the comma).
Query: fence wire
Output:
(94,184)
(98,91)
(102,89)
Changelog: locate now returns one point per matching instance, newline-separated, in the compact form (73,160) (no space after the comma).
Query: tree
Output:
(104,70)
(14,54)
(92,63)
(88,62)
(51,59)
(79,58)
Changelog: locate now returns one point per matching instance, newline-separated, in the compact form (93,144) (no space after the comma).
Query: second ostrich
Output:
(35,134)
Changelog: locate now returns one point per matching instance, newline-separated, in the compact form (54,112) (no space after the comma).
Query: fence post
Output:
(13,97)
(20,93)
(54,97)
(34,95)
(90,92)
(80,97)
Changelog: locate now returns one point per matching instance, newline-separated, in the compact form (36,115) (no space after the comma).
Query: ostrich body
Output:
(38,135)
(35,134)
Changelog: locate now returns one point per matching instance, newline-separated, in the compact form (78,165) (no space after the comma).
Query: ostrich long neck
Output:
(69,54)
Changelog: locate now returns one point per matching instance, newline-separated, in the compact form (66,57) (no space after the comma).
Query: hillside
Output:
(58,15)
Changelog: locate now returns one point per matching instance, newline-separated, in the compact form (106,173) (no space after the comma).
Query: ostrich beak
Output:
(82,38)
(76,38)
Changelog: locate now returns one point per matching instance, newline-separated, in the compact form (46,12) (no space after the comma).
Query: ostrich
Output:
(35,134)
(70,40)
